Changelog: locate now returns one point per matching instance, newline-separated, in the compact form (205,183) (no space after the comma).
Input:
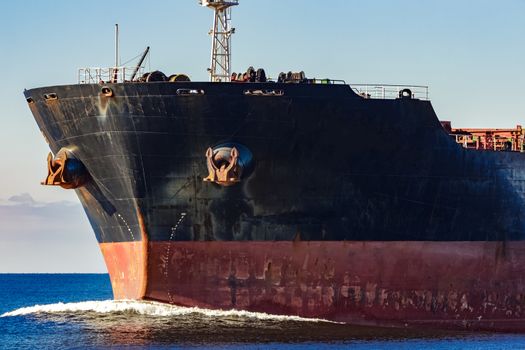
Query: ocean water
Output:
(75,311)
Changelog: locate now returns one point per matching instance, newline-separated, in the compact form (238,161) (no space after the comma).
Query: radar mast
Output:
(221,38)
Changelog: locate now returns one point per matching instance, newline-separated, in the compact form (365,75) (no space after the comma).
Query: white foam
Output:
(148,308)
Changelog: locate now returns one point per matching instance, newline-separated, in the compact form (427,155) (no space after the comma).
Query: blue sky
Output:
(470,54)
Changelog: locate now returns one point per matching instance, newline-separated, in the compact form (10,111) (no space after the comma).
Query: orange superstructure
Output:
(487,139)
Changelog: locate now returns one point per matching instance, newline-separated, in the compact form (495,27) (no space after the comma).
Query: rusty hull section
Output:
(126,264)
(473,285)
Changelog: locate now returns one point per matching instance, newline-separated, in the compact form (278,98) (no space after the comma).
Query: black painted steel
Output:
(328,165)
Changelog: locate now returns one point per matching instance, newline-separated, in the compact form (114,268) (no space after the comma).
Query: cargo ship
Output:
(293,196)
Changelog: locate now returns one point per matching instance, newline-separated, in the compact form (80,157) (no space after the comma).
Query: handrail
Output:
(93,75)
(389,91)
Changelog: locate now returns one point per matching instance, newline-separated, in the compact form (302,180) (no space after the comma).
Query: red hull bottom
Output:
(464,285)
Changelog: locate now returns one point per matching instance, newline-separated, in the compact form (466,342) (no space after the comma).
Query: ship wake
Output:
(129,322)
(148,308)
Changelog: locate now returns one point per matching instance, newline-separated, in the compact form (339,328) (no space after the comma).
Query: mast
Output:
(116,68)
(116,45)
(221,38)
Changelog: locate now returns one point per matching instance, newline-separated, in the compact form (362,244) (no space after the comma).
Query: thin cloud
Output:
(46,237)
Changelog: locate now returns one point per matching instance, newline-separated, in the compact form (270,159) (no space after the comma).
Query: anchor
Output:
(223,167)
(65,170)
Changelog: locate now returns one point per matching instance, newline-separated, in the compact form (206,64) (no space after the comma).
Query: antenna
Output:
(221,38)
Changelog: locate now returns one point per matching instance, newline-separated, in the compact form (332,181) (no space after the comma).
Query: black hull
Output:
(329,166)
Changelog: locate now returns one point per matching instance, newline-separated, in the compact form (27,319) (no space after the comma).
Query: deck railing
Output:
(93,75)
(386,91)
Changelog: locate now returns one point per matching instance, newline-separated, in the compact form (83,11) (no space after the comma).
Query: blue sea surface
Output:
(75,311)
